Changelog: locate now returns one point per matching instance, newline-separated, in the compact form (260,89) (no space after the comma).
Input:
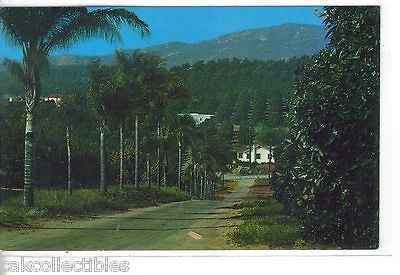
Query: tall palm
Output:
(105,83)
(170,87)
(140,71)
(183,129)
(38,31)
(68,107)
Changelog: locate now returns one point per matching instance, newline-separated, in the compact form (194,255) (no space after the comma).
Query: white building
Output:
(199,118)
(259,154)
(53,97)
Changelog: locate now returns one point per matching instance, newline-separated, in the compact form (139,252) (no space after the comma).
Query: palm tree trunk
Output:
(206,193)
(205,185)
(179,163)
(191,181)
(201,186)
(68,140)
(195,180)
(121,156)
(29,161)
(103,183)
(158,156)
(137,152)
(165,169)
(148,170)
(212,189)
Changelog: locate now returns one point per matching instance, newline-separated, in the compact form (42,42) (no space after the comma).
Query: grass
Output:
(266,224)
(223,191)
(55,203)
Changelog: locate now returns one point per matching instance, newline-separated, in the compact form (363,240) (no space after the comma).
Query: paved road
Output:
(156,228)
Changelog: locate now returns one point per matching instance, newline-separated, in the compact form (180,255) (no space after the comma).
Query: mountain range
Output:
(272,43)
(281,42)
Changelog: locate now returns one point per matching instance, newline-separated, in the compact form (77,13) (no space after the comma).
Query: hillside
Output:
(68,72)
(272,43)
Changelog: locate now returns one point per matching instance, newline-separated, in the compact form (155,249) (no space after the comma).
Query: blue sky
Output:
(188,24)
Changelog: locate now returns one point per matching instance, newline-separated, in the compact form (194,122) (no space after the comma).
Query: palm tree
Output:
(105,83)
(139,71)
(67,107)
(183,129)
(38,31)
(170,86)
(122,101)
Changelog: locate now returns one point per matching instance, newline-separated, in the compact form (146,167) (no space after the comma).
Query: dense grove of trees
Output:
(38,31)
(190,156)
(234,83)
(225,80)
(56,79)
(228,88)
(328,173)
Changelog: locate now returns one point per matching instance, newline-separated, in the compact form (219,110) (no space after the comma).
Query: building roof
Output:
(54,96)
(241,150)
(195,114)
(256,146)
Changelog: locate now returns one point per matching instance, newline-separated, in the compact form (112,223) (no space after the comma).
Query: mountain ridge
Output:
(269,43)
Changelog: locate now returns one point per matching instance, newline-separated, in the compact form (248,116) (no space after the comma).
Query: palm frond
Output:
(54,27)
(15,69)
(14,33)
(83,24)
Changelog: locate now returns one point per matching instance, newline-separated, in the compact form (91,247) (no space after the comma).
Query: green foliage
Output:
(210,149)
(53,203)
(267,135)
(260,208)
(265,223)
(154,196)
(328,174)
(235,83)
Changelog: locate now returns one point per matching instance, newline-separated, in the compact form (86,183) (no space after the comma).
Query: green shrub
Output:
(328,174)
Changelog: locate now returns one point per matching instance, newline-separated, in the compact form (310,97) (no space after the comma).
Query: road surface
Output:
(194,224)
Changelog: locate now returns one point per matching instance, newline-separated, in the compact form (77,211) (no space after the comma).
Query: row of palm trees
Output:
(135,86)
(39,31)
(138,86)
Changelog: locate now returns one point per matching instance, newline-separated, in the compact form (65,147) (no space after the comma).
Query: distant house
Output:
(53,97)
(199,118)
(11,100)
(259,154)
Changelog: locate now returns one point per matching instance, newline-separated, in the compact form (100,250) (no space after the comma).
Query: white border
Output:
(185,3)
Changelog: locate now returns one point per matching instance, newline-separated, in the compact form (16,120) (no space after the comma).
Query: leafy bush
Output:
(328,173)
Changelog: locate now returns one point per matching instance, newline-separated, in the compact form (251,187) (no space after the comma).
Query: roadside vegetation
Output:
(328,172)
(58,203)
(223,190)
(266,225)
(120,131)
